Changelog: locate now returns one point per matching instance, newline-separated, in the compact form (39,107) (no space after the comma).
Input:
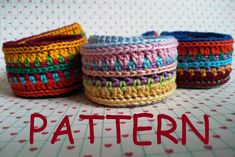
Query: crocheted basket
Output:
(46,64)
(204,59)
(129,71)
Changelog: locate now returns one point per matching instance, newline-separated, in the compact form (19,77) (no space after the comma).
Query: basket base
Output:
(201,85)
(46,93)
(130,102)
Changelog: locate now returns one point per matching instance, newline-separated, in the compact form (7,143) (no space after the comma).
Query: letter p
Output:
(34,129)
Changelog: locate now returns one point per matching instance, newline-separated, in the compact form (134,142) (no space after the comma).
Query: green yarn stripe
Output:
(39,69)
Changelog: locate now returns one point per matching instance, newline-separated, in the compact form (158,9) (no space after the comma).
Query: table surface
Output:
(15,113)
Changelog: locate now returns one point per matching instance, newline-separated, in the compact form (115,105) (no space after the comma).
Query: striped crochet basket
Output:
(129,71)
(204,59)
(46,64)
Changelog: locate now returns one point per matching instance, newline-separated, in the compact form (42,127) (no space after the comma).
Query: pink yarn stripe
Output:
(136,56)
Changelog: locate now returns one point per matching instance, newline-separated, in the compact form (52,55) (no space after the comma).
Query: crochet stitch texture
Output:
(127,71)
(46,64)
(204,59)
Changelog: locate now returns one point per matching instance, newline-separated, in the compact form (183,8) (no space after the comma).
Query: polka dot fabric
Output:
(22,18)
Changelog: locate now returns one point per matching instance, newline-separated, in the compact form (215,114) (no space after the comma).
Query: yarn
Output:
(46,64)
(204,59)
(129,71)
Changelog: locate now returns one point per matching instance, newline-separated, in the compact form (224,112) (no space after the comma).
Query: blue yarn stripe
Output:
(204,64)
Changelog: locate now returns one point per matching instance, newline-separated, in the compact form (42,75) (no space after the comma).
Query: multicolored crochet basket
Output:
(46,64)
(204,59)
(129,71)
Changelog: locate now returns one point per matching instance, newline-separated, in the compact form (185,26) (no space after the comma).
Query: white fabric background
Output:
(21,18)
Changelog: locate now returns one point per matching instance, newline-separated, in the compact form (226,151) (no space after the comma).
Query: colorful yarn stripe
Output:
(40,69)
(130,72)
(204,58)
(134,81)
(112,41)
(140,57)
(72,29)
(124,71)
(46,64)
(59,51)
(210,57)
(205,64)
(44,78)
(130,95)
(46,92)
(204,74)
